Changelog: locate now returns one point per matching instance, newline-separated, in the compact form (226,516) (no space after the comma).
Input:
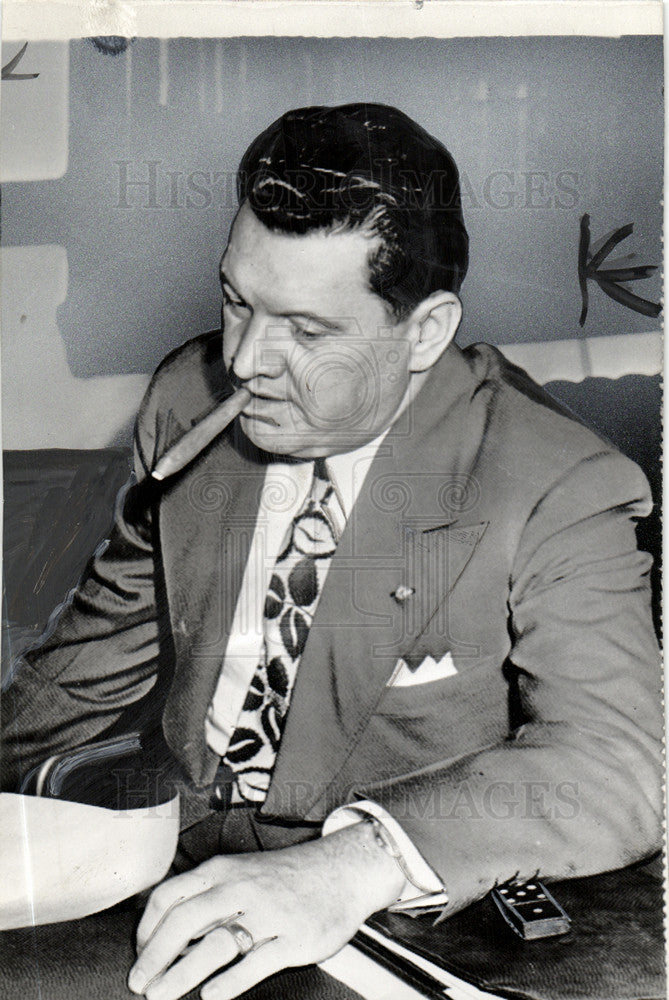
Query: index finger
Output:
(164,898)
(183,922)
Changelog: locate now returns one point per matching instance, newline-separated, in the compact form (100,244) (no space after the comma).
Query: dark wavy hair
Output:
(367,167)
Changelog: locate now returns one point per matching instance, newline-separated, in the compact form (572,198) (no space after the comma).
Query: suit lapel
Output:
(209,548)
(437,558)
(413,526)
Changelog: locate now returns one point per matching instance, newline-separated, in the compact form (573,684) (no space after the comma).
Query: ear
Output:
(431,327)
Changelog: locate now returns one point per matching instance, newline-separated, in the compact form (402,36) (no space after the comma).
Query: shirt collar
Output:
(348,470)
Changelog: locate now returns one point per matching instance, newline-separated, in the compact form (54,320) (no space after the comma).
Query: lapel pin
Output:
(402,593)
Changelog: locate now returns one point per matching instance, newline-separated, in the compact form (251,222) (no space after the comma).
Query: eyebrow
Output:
(293,314)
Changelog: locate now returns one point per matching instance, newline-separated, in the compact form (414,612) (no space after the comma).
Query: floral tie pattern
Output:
(290,605)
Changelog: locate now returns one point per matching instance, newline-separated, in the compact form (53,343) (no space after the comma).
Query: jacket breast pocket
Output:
(459,689)
(412,727)
(415,698)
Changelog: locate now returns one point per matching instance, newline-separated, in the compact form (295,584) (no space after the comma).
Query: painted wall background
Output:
(118,245)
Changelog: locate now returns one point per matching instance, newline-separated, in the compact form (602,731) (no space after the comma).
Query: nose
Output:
(259,350)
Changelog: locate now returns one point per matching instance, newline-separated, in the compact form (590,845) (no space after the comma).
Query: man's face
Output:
(328,366)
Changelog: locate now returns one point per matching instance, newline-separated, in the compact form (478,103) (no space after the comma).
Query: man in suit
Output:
(394,619)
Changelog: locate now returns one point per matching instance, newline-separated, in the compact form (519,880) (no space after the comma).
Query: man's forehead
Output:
(313,268)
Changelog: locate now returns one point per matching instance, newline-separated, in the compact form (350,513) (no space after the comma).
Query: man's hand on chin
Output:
(300,905)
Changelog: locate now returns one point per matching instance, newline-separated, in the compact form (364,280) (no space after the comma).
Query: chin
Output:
(269,438)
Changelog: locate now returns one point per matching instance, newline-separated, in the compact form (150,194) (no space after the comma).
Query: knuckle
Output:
(214,866)
(209,872)
(158,898)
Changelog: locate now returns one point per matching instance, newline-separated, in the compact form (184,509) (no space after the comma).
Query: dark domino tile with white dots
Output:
(530,910)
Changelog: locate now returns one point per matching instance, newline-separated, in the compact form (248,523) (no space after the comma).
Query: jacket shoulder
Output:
(537,439)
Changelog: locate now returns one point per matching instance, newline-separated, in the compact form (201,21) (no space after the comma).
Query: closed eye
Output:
(305,332)
(230,300)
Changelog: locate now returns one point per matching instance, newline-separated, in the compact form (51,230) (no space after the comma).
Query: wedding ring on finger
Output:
(241,935)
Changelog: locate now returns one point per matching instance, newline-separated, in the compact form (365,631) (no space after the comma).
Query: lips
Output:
(254,409)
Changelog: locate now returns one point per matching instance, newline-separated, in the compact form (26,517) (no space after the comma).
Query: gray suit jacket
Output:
(514,526)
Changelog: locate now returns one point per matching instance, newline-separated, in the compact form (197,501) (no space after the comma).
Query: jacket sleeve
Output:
(576,788)
(100,651)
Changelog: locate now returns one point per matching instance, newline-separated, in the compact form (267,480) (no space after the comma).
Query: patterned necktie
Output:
(291,601)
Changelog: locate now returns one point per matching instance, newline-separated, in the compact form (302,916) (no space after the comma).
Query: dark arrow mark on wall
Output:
(609,278)
(8,70)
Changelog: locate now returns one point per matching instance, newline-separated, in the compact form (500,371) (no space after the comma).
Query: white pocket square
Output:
(427,670)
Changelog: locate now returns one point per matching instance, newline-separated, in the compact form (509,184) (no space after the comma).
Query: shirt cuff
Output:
(419,875)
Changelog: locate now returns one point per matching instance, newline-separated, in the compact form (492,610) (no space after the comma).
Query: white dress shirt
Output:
(285,489)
